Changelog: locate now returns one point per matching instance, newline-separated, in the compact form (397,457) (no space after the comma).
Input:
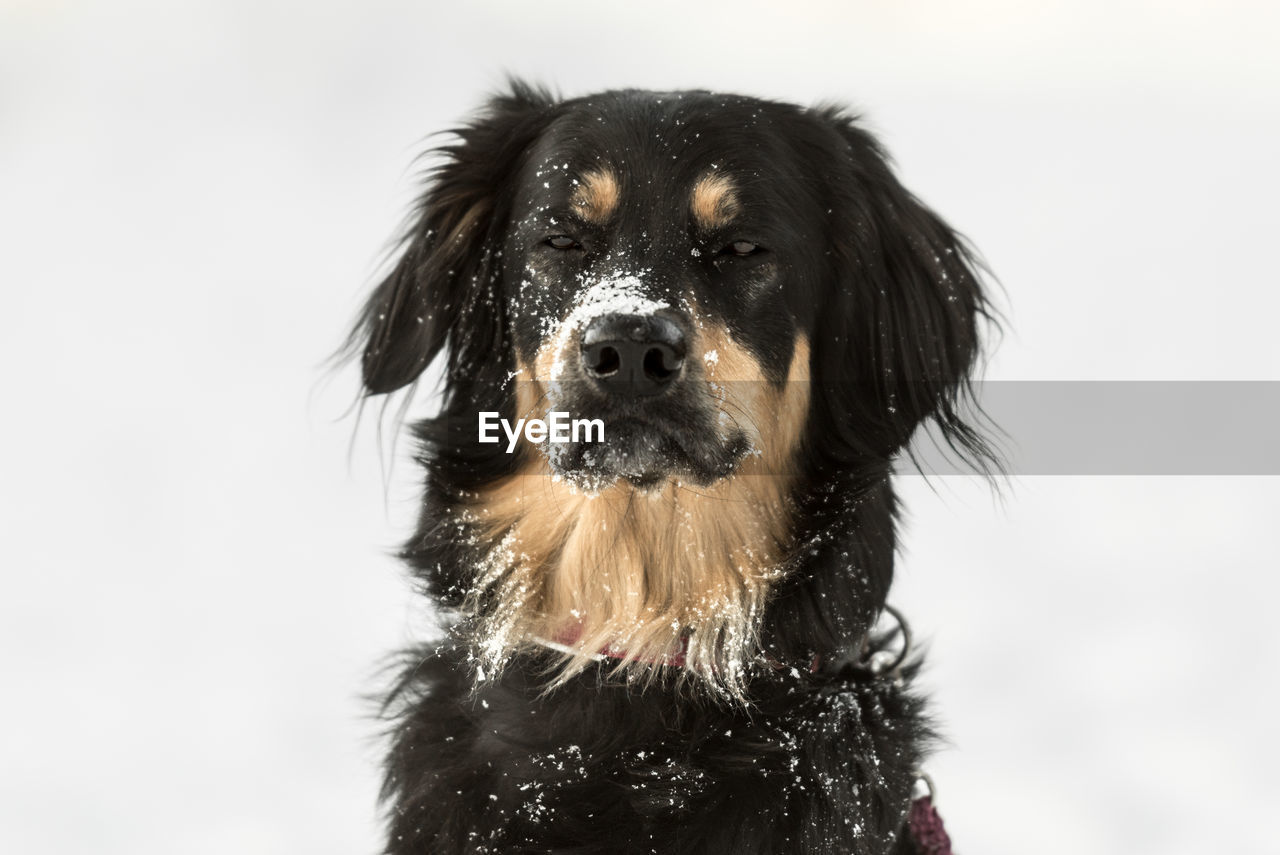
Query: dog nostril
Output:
(607,362)
(661,363)
(601,359)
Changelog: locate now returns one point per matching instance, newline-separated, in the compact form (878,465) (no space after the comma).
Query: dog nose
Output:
(636,355)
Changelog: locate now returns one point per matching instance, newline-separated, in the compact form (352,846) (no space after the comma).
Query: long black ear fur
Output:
(442,290)
(909,309)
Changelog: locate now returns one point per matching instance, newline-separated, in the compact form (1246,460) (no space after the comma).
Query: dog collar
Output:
(875,662)
(565,641)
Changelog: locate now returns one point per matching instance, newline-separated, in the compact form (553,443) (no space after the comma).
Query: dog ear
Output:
(442,291)
(910,304)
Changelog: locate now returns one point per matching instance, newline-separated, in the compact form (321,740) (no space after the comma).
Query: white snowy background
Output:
(196,588)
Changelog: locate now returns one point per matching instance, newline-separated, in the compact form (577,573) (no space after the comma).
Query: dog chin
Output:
(646,457)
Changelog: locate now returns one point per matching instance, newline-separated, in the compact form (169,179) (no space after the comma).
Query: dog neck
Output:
(647,572)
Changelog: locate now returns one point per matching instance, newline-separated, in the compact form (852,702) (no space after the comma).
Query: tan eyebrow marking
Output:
(714,201)
(596,195)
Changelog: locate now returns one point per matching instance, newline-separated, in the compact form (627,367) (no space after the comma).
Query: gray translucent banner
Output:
(1123,428)
(1040,427)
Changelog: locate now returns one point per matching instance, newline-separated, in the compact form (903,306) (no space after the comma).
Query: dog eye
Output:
(741,248)
(562,242)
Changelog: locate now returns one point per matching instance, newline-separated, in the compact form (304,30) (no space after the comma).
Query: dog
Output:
(659,632)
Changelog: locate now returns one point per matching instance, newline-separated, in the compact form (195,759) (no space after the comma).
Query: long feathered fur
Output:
(536,751)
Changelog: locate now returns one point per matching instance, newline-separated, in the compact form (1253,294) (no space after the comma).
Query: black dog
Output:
(659,639)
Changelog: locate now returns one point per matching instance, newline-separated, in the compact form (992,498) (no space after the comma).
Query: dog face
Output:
(657,283)
(743,296)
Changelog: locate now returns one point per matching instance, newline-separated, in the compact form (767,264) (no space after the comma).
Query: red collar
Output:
(877,663)
(566,641)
